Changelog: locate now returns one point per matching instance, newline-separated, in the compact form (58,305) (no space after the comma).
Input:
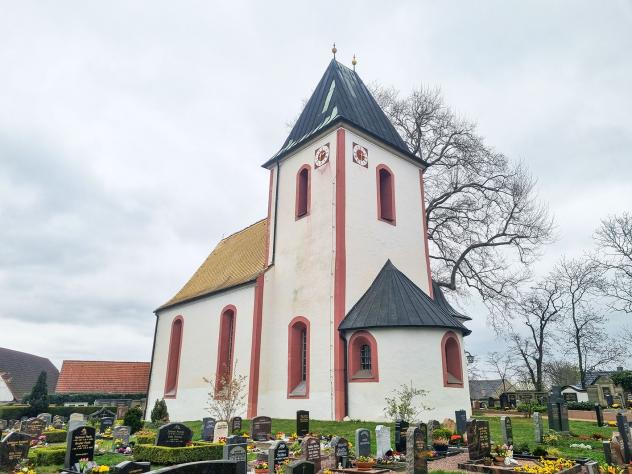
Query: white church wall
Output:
(370,241)
(198,357)
(5,394)
(300,284)
(409,355)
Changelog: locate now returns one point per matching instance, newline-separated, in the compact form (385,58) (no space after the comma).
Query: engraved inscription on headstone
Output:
(80,445)
(277,453)
(302,423)
(221,431)
(13,448)
(506,430)
(173,435)
(310,449)
(239,453)
(416,454)
(261,428)
(208,429)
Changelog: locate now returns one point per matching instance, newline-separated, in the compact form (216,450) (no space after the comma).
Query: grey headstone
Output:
(208,428)
(624,432)
(238,453)
(310,451)
(277,453)
(538,429)
(14,447)
(362,442)
(382,440)
(461,421)
(432,426)
(121,433)
(3,424)
(221,431)
(47,417)
(80,445)
(300,467)
(173,435)
(416,460)
(506,430)
(132,467)
(74,424)
(261,428)
(76,417)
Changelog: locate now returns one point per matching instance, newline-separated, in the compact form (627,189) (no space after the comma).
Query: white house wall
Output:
(405,356)
(581,396)
(198,358)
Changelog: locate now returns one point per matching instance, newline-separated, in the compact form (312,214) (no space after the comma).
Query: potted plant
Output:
(261,467)
(365,463)
(500,453)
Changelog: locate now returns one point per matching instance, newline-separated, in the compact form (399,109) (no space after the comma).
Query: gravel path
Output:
(448,464)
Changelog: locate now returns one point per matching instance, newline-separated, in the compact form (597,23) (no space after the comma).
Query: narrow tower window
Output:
(385,195)
(302,192)
(298,358)
(225,352)
(173,361)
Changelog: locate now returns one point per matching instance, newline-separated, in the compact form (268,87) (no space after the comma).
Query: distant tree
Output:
(561,372)
(160,414)
(227,396)
(503,365)
(134,419)
(614,240)
(481,210)
(623,379)
(405,403)
(38,399)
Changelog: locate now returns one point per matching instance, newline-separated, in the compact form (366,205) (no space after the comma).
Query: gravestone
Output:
(33,427)
(461,421)
(382,440)
(432,426)
(76,417)
(277,453)
(310,450)
(80,445)
(400,435)
(173,435)
(14,447)
(121,411)
(234,425)
(73,424)
(416,453)
(102,413)
(362,442)
(237,452)
(599,413)
(302,423)
(17,426)
(609,400)
(607,452)
(261,428)
(132,467)
(538,429)
(506,430)
(12,424)
(122,434)
(208,428)
(592,467)
(221,431)
(624,432)
(341,453)
(46,417)
(564,416)
(3,424)
(300,467)
(105,423)
(478,439)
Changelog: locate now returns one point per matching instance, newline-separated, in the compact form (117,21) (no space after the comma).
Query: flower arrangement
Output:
(500,450)
(98,469)
(609,469)
(24,467)
(546,466)
(580,446)
(456,439)
(280,435)
(261,466)
(551,438)
(221,440)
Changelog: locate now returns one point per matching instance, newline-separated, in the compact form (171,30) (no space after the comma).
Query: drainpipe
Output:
(346,371)
(276,208)
(151,365)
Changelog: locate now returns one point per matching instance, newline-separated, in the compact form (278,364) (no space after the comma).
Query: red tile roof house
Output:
(19,372)
(86,376)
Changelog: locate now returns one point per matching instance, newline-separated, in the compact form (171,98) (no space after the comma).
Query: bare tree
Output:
(582,284)
(537,309)
(482,212)
(501,363)
(561,372)
(614,239)
(227,396)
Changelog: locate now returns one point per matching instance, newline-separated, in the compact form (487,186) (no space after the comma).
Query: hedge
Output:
(55,436)
(48,456)
(166,456)
(15,412)
(61,398)
(581,406)
(145,438)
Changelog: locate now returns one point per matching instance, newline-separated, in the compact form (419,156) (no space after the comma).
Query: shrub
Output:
(539,451)
(587,406)
(401,403)
(145,437)
(55,436)
(441,433)
(134,419)
(530,408)
(159,413)
(61,398)
(38,399)
(48,456)
(522,448)
(166,456)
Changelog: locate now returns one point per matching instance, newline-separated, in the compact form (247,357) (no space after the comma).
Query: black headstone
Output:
(237,452)
(341,452)
(564,416)
(599,413)
(362,442)
(277,453)
(302,423)
(506,430)
(400,435)
(132,467)
(208,429)
(105,423)
(234,425)
(624,432)
(609,400)
(300,467)
(555,422)
(461,421)
(478,439)
(173,435)
(13,448)
(607,452)
(310,448)
(416,452)
(80,445)
(33,427)
(261,428)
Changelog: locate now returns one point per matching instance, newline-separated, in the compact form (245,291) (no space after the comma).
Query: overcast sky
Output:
(132,134)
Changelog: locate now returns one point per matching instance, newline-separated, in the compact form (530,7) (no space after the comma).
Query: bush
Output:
(522,448)
(441,433)
(539,451)
(145,437)
(134,419)
(166,456)
(531,408)
(159,413)
(15,412)
(55,436)
(38,399)
(61,398)
(48,456)
(581,406)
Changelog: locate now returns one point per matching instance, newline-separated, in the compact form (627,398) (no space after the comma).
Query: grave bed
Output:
(478,466)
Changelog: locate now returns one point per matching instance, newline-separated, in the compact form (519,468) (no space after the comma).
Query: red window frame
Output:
(451,360)
(225,346)
(295,358)
(355,373)
(173,359)
(385,182)
(303,191)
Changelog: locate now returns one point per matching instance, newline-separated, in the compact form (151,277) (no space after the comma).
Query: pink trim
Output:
(222,345)
(357,340)
(308,197)
(379,168)
(456,353)
(340,274)
(255,350)
(174,364)
(424,226)
(294,359)
(269,219)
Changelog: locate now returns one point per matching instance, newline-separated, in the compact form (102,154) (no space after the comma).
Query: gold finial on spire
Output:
(354,62)
(334,50)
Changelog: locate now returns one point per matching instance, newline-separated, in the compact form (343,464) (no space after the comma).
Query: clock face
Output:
(360,155)
(321,155)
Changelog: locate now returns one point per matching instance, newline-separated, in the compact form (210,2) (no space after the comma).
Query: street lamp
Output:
(469,357)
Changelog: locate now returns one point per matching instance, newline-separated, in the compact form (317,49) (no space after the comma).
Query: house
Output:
(574,393)
(19,372)
(495,393)
(327,304)
(601,389)
(103,377)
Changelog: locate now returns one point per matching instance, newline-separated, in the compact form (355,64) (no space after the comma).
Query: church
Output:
(327,304)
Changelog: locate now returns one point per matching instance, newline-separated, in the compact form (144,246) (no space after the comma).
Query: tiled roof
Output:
(342,96)
(22,370)
(96,376)
(482,389)
(237,259)
(393,300)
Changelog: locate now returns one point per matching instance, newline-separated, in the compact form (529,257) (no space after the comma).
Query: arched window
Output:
(303,191)
(362,353)
(385,194)
(298,358)
(451,358)
(173,361)
(225,348)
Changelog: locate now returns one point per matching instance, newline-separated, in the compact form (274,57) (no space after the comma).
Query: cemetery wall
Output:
(300,284)
(198,356)
(370,242)
(404,356)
